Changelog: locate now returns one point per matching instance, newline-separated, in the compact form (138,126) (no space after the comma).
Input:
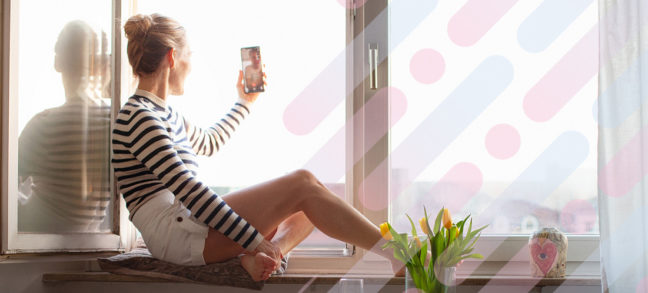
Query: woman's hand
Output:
(240,86)
(271,250)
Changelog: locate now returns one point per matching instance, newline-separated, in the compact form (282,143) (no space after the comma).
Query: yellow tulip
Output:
(384,231)
(424,227)
(418,242)
(447,220)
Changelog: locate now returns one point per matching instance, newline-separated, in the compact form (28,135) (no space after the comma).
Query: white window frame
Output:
(359,261)
(583,249)
(504,254)
(122,235)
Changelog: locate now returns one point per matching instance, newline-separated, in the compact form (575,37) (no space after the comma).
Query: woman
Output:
(180,218)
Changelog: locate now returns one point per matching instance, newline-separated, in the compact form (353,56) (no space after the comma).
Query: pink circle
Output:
(427,66)
(642,287)
(578,216)
(347,3)
(502,141)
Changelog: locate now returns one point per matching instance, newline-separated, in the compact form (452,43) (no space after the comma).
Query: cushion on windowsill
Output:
(139,262)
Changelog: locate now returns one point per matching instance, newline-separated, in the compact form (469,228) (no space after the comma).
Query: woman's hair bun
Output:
(137,27)
(150,37)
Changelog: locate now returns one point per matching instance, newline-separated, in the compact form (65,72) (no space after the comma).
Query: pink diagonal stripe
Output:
(564,80)
(475,19)
(317,100)
(328,163)
(625,170)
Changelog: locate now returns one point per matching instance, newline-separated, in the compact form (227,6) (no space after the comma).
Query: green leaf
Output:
(432,249)
(437,222)
(470,226)
(461,228)
(439,245)
(427,223)
(430,271)
(412,223)
(400,238)
(399,256)
(423,252)
(451,235)
(474,233)
(474,255)
(411,249)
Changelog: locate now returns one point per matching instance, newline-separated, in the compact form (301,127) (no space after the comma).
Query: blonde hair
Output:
(150,37)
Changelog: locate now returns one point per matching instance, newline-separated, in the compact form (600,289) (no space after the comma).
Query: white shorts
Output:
(170,232)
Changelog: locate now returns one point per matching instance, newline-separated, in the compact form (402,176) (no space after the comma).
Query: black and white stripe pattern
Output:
(65,152)
(155,148)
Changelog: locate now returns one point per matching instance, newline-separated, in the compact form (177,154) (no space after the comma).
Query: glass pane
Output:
(64,116)
(297,40)
(500,120)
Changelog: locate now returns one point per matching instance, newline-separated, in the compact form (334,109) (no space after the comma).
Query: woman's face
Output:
(180,71)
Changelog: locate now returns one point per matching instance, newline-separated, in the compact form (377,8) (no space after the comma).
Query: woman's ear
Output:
(170,56)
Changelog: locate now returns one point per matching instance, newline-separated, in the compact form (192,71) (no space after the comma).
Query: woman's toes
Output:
(257,265)
(265,263)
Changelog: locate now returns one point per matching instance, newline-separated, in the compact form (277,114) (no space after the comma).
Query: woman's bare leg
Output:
(292,231)
(265,206)
(289,234)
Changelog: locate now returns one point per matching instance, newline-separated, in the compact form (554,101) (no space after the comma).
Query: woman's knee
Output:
(305,187)
(304,177)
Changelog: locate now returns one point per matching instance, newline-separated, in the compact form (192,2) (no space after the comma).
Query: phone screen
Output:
(252,69)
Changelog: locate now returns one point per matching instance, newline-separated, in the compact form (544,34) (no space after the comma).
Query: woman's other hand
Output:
(271,250)
(240,86)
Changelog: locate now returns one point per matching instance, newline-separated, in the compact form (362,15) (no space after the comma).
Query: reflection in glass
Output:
(63,164)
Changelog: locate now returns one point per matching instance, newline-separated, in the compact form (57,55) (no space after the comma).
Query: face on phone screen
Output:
(252,73)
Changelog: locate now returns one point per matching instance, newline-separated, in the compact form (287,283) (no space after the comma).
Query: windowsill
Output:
(330,279)
(54,257)
(477,277)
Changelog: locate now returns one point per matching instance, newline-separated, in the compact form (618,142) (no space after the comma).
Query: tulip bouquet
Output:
(449,243)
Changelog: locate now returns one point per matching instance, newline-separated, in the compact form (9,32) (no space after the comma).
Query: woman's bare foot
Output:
(259,266)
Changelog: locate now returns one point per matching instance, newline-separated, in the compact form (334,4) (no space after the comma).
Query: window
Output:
(500,118)
(57,104)
(499,115)
(391,104)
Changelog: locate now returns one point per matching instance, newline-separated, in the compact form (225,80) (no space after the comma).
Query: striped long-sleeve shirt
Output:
(155,148)
(65,152)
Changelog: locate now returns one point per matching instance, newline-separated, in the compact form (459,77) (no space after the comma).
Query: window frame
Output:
(361,158)
(303,261)
(121,237)
(504,254)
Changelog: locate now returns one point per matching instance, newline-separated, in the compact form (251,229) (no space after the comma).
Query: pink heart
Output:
(544,256)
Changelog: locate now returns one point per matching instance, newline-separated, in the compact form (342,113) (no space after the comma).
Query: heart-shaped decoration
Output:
(544,254)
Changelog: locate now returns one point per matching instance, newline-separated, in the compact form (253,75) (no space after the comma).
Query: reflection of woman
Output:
(63,151)
(180,218)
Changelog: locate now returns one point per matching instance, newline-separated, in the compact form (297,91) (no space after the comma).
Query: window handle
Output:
(373,66)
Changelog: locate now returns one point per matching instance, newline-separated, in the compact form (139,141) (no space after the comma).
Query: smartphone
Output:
(252,69)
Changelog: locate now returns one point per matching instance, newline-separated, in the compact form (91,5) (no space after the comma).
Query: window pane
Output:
(64,116)
(297,41)
(500,119)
